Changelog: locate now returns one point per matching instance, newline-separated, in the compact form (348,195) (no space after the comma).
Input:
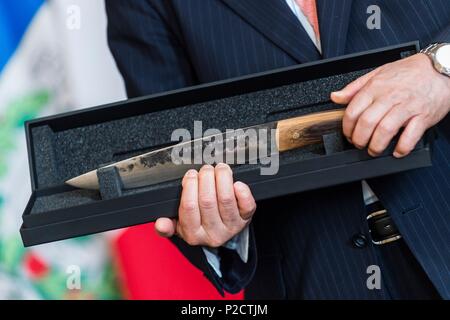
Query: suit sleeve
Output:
(443,36)
(147,46)
(150,54)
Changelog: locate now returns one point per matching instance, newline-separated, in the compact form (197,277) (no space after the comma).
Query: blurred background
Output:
(54,58)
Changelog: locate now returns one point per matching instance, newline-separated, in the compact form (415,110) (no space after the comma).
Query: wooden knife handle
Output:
(306,130)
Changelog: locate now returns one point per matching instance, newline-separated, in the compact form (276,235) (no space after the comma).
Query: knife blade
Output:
(159,166)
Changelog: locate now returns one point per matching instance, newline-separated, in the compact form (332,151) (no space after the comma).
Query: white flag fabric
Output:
(55,59)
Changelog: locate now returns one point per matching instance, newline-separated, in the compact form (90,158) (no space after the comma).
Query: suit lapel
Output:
(334,17)
(275,20)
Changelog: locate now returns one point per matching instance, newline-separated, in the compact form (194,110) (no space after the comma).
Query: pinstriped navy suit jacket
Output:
(301,242)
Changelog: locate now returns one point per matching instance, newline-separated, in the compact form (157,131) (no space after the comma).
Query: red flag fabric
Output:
(151,267)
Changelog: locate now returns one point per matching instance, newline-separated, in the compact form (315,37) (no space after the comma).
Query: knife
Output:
(157,166)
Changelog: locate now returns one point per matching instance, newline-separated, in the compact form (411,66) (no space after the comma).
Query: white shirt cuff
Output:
(239,242)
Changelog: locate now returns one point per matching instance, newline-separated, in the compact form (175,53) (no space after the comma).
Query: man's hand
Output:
(408,94)
(212,209)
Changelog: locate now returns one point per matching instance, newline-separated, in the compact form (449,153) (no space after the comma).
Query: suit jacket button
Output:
(359,240)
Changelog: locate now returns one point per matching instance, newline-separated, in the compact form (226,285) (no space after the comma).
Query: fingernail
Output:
(222,165)
(372,154)
(398,154)
(240,186)
(207,167)
(338,93)
(191,173)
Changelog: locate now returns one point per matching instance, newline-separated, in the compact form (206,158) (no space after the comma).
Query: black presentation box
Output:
(67,145)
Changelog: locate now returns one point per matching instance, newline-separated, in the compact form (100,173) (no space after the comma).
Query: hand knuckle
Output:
(236,228)
(376,82)
(252,207)
(395,96)
(386,129)
(207,202)
(404,148)
(247,217)
(192,240)
(367,121)
(227,200)
(377,149)
(411,109)
(188,206)
(350,115)
(405,95)
(215,242)
(247,205)
(248,208)
(358,141)
(360,81)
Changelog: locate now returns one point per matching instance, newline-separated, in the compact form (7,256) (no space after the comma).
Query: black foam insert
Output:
(61,155)
(333,142)
(110,183)
(64,200)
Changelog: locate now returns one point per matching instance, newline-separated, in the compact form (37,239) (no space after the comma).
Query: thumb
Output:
(165,227)
(345,95)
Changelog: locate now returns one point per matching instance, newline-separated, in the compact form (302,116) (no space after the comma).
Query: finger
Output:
(245,200)
(189,212)
(226,198)
(368,121)
(357,106)
(165,227)
(388,128)
(413,132)
(207,199)
(345,95)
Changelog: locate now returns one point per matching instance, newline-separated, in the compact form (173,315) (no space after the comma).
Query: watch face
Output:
(443,56)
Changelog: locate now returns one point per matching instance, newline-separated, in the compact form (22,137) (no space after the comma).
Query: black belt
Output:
(381,226)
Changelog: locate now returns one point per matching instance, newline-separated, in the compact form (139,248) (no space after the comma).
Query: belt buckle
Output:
(381,227)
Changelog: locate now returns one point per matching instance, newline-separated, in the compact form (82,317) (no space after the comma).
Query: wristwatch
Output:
(439,54)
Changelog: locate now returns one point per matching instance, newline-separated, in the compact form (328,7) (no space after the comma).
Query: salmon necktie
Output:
(309,9)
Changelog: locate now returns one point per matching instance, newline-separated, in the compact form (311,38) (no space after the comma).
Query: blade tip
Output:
(85,181)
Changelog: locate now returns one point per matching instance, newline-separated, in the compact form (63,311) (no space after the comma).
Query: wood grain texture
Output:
(306,130)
